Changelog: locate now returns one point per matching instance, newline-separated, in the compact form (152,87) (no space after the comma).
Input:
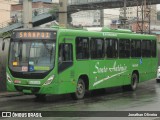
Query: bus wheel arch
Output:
(134,82)
(86,80)
(82,86)
(136,72)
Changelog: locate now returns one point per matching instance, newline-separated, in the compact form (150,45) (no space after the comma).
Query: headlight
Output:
(49,81)
(9,78)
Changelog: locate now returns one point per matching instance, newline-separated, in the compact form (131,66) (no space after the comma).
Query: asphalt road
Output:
(145,98)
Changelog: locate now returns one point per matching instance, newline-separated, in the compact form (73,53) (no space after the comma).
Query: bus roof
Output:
(93,32)
(117,33)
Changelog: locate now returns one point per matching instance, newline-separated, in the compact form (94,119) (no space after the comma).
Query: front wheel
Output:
(80,90)
(134,83)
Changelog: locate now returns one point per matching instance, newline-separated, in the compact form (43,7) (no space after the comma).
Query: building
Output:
(111,15)
(37,8)
(5,10)
(86,18)
(131,13)
(95,18)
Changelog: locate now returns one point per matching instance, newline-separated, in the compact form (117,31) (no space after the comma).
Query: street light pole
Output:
(27,13)
(124,19)
(63,13)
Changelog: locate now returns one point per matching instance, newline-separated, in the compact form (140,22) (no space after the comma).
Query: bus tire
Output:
(158,80)
(80,90)
(134,83)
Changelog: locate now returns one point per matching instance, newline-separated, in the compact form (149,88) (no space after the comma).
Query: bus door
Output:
(65,66)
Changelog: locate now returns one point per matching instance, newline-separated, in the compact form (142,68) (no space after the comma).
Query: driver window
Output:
(65,53)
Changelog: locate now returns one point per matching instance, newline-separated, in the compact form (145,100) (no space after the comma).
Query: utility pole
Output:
(102,18)
(27,13)
(125,18)
(143,17)
(63,13)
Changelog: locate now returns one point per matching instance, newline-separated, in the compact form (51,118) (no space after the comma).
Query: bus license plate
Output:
(34,82)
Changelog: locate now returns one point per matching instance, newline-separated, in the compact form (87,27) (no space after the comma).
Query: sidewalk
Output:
(10,94)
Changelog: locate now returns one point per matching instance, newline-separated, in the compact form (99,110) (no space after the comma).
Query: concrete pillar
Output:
(27,13)
(125,12)
(63,13)
(102,18)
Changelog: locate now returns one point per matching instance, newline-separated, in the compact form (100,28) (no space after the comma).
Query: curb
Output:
(10,94)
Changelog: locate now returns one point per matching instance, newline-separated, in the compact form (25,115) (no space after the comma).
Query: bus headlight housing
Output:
(49,81)
(9,78)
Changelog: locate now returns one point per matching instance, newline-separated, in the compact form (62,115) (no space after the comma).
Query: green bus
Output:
(61,61)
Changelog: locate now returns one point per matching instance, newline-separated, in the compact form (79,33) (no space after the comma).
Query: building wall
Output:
(40,7)
(86,18)
(5,9)
(94,18)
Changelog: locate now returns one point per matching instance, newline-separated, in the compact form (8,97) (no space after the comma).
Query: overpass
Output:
(78,5)
(41,18)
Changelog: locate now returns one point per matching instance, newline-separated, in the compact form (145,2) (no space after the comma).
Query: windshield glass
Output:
(32,56)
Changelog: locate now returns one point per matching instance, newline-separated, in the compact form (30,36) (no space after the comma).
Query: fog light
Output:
(49,81)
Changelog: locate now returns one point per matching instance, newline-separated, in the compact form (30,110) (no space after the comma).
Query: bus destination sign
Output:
(35,35)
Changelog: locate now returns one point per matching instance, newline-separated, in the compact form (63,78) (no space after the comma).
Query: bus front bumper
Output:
(28,89)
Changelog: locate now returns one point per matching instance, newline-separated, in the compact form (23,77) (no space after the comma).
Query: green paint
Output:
(101,73)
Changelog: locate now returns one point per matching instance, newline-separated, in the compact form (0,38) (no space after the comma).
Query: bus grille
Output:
(33,89)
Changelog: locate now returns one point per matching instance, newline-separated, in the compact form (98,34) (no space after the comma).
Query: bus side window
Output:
(124,48)
(146,48)
(65,52)
(97,48)
(154,47)
(82,48)
(65,57)
(111,46)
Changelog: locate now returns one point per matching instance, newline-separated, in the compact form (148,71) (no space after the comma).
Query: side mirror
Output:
(3,46)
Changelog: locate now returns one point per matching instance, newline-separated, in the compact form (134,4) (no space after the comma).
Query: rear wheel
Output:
(134,83)
(158,80)
(80,90)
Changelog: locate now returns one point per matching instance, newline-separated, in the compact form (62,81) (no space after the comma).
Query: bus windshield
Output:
(32,56)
